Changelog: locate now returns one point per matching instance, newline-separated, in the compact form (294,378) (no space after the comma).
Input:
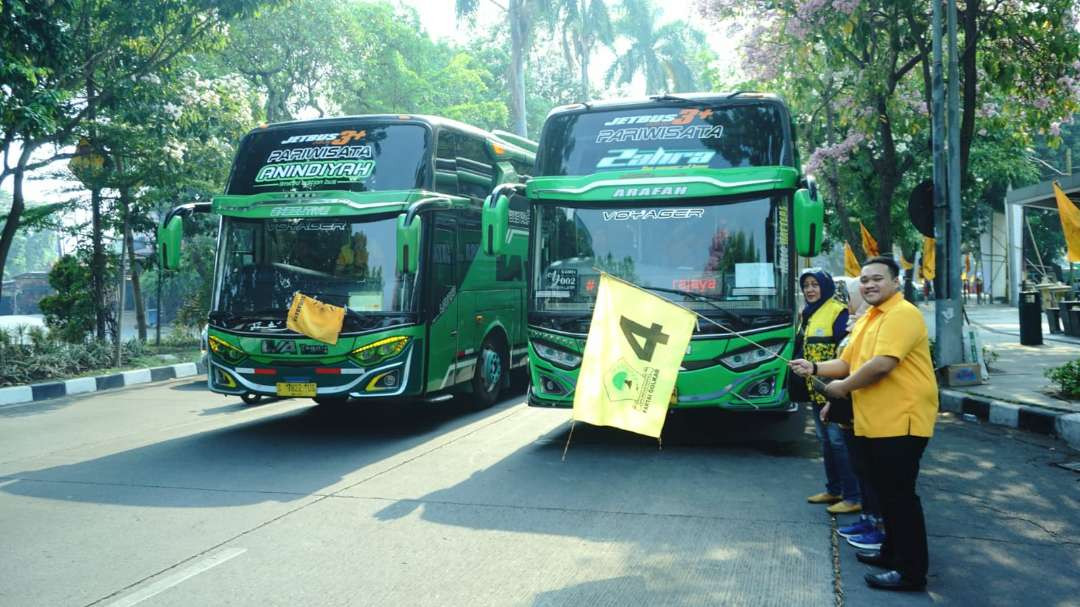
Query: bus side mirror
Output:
(495,222)
(809,217)
(169,236)
(408,244)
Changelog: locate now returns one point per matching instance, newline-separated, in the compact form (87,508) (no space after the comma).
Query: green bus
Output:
(381,215)
(697,197)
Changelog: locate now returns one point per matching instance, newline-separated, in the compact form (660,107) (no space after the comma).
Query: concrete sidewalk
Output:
(1017,392)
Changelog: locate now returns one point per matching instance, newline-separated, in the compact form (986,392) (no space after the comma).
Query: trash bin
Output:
(1030,318)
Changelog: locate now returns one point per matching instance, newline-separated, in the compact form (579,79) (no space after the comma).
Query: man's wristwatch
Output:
(814,372)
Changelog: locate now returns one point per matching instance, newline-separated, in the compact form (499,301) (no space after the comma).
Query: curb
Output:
(1065,426)
(14,395)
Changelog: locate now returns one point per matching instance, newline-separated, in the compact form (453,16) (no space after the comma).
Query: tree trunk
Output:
(136,287)
(97,263)
(969,97)
(18,205)
(517,68)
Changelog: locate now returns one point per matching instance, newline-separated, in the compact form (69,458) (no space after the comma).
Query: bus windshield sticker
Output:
(638,157)
(654,133)
(754,275)
(304,173)
(561,279)
(638,214)
(307,226)
(553,294)
(678,118)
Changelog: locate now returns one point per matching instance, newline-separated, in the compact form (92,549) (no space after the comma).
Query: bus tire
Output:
(492,370)
(251,398)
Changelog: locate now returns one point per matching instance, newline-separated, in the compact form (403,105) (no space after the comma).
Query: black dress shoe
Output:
(892,580)
(875,559)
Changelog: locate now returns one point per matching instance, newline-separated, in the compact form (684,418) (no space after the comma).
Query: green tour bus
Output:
(698,198)
(380,215)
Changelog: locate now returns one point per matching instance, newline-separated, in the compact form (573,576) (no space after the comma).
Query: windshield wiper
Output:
(702,298)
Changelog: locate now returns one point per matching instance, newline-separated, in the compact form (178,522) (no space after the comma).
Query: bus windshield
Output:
(704,135)
(341,261)
(359,157)
(732,256)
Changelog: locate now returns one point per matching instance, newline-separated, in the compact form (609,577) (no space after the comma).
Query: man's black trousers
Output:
(892,467)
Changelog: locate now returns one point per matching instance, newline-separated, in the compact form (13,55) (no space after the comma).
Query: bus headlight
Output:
(379,351)
(751,357)
(557,356)
(228,352)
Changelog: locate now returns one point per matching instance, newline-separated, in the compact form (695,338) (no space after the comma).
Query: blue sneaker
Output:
(860,527)
(868,541)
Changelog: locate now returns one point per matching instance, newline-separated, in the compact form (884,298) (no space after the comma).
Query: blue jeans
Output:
(839,475)
(870,507)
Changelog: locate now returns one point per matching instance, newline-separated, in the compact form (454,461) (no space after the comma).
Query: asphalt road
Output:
(170,495)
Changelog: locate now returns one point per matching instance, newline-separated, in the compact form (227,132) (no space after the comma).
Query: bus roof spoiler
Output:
(517,140)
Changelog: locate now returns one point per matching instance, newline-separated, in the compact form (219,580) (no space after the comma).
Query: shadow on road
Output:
(283,456)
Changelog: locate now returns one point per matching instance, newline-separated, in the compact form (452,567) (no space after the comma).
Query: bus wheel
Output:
(490,376)
(251,398)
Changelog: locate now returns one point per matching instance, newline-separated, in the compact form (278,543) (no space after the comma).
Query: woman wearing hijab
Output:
(823,325)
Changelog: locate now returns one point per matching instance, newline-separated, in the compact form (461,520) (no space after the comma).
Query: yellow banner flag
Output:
(315,319)
(851,264)
(904,263)
(869,245)
(929,267)
(631,360)
(1070,222)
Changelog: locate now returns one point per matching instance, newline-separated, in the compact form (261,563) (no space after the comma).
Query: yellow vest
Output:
(818,342)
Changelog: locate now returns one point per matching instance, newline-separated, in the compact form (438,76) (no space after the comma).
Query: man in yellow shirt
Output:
(887,371)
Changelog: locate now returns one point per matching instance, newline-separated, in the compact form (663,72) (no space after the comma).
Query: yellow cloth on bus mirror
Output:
(315,319)
(631,361)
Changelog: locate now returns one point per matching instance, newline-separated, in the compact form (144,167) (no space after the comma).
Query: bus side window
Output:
(446,176)
(475,169)
(468,241)
(443,247)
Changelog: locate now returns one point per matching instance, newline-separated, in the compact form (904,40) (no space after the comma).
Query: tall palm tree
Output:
(521,16)
(583,23)
(659,53)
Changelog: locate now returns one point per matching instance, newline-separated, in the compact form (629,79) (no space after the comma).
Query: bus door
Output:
(442,303)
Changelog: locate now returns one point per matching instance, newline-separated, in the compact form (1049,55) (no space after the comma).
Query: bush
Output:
(1068,377)
(69,313)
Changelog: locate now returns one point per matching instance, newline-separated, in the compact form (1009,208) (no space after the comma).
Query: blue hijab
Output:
(828,289)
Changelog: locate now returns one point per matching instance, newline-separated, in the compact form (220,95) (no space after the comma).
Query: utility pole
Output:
(948,311)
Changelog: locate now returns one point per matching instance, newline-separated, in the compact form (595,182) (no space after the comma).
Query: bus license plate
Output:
(308,389)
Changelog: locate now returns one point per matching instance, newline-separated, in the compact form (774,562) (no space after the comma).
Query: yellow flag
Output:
(851,264)
(904,263)
(631,360)
(1070,222)
(869,245)
(929,268)
(315,319)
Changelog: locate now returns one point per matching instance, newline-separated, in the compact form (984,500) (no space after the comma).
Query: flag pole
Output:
(568,436)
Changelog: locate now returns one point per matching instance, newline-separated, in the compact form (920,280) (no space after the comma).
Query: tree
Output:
(583,24)
(65,59)
(658,53)
(521,17)
(865,64)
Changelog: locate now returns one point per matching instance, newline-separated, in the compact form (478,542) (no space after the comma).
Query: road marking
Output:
(184,574)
